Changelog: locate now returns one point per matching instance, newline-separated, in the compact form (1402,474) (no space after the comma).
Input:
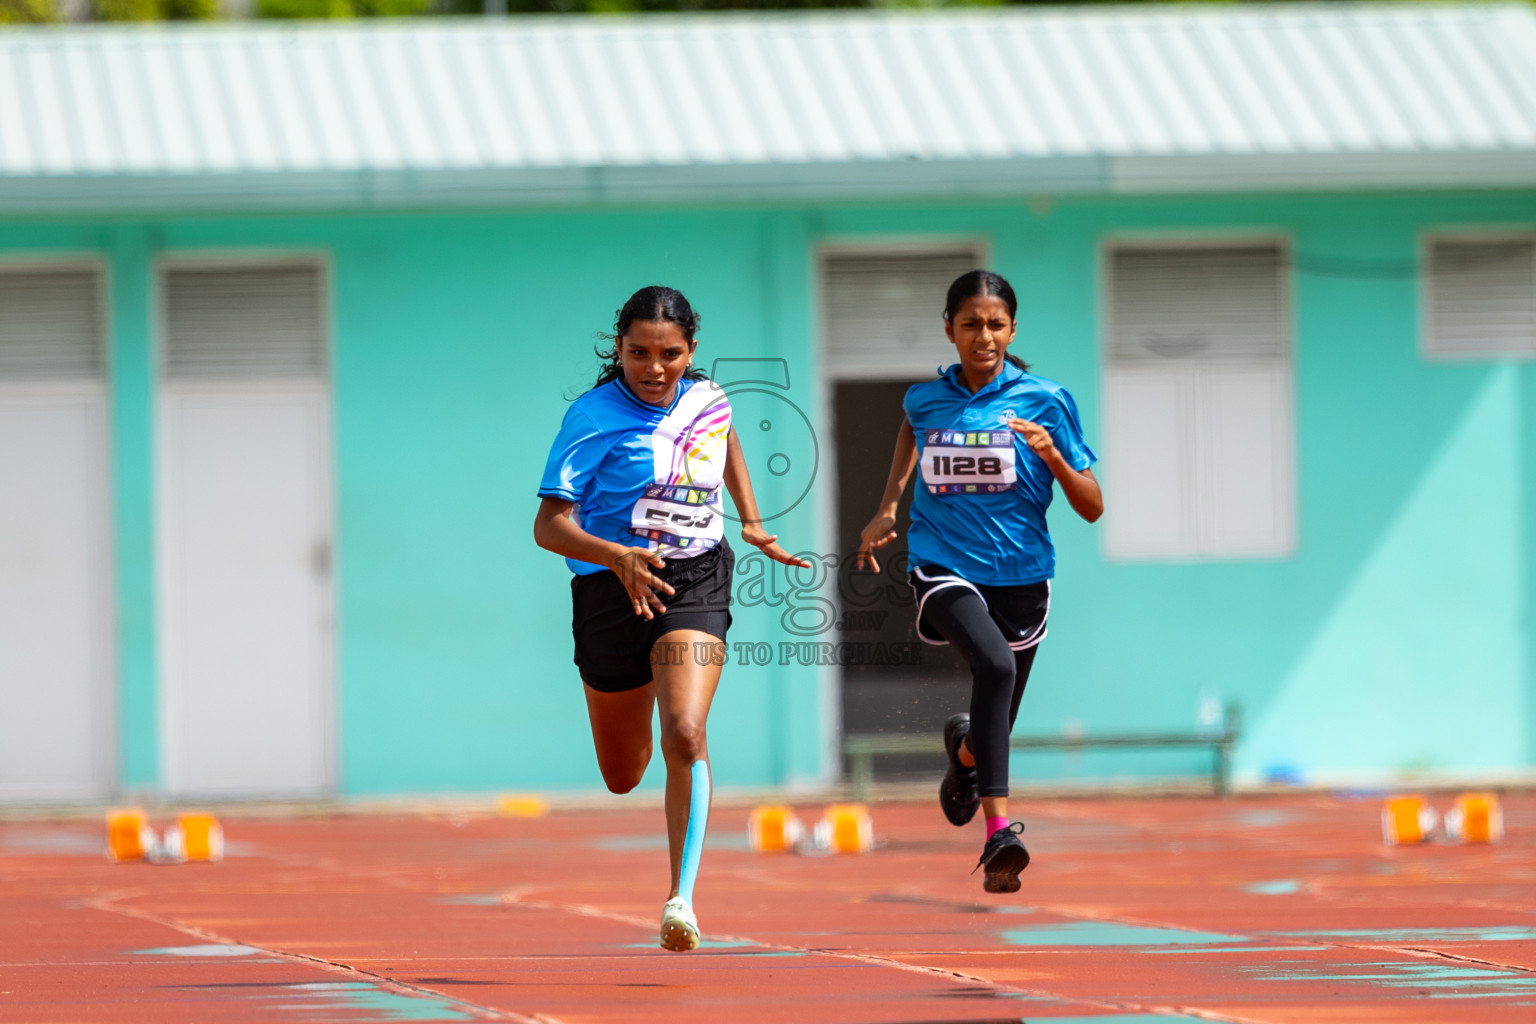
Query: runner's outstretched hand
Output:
(882,529)
(768,544)
(880,532)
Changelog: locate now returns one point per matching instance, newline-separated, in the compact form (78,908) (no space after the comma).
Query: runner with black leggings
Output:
(991,440)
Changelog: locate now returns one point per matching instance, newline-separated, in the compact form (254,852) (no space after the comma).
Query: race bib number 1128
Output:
(968,462)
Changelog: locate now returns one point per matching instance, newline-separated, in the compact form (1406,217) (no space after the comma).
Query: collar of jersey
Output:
(1008,375)
(642,403)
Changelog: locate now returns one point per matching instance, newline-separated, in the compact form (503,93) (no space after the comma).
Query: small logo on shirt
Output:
(1007,415)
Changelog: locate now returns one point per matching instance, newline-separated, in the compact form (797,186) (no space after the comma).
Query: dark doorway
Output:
(900,684)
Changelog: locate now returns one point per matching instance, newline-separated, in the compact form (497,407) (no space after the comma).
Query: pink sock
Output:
(995,824)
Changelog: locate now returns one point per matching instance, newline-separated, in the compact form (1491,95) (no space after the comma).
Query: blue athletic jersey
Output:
(981,493)
(642,475)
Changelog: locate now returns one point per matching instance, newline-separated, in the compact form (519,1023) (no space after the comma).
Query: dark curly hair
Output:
(653,302)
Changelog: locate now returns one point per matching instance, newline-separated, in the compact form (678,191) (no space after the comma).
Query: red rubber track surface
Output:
(1252,909)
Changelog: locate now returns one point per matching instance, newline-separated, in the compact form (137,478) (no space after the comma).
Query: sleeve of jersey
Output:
(1069,435)
(909,400)
(573,458)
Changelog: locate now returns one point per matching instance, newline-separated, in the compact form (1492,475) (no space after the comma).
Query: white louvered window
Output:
(51,324)
(244,322)
(1199,446)
(1480,297)
(883,313)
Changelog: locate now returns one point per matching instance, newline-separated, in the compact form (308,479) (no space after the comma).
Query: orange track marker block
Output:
(202,837)
(1476,818)
(1406,820)
(846,828)
(129,836)
(773,828)
(519,805)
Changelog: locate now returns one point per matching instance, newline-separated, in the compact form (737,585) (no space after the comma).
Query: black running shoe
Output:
(958,796)
(1003,857)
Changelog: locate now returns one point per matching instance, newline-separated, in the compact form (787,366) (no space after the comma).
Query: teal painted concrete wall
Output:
(1395,639)
(458,343)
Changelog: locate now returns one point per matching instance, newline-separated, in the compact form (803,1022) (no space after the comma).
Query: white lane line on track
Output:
(515,898)
(108,904)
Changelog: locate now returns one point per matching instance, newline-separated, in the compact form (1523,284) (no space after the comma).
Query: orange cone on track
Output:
(1406,820)
(202,837)
(522,805)
(129,836)
(1476,818)
(846,828)
(772,828)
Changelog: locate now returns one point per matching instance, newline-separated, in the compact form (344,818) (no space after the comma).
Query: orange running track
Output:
(1252,909)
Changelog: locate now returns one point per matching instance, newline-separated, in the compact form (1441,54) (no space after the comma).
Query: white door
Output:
(1199,441)
(244,533)
(56,664)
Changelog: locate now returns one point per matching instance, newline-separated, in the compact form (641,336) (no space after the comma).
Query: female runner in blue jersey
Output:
(631,497)
(989,439)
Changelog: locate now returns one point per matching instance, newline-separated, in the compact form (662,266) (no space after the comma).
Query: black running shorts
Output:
(613,644)
(1019,611)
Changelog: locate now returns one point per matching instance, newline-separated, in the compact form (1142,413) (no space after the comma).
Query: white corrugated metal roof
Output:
(698,106)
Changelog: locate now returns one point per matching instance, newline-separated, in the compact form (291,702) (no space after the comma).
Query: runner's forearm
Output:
(903,460)
(555,530)
(1081,488)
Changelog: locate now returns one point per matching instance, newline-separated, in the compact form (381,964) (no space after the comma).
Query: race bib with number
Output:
(968,462)
(680,511)
(678,517)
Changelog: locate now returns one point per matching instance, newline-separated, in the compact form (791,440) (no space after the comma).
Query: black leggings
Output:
(998,676)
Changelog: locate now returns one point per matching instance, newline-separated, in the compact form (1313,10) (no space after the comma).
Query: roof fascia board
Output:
(301,191)
(554,186)
(1132,175)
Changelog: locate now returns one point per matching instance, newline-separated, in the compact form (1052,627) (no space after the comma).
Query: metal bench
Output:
(861,748)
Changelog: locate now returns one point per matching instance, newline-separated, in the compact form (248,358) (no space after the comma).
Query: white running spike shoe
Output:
(679,928)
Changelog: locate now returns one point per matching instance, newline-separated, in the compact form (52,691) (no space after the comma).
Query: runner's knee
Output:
(993,667)
(683,740)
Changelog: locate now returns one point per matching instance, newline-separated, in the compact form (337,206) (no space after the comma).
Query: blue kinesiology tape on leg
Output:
(693,839)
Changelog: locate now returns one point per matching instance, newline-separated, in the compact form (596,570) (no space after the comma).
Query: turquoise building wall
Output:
(1395,639)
